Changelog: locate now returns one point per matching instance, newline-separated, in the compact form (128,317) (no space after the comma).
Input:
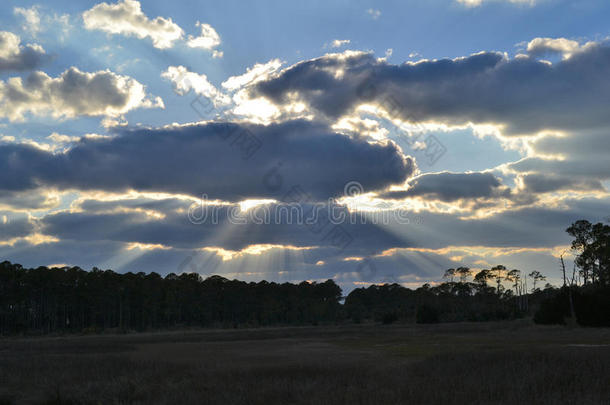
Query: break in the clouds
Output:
(224,161)
(522,95)
(127,18)
(71,94)
(14,56)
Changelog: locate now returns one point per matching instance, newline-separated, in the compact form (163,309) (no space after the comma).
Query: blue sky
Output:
(513,91)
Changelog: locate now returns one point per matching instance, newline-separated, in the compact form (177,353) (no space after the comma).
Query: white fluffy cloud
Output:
(562,46)
(208,39)
(126,17)
(73,93)
(337,43)
(31,18)
(185,81)
(260,71)
(14,56)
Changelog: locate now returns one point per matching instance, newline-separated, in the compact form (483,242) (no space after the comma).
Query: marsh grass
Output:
(368,364)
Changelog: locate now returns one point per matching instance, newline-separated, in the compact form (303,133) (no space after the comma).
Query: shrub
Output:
(389,318)
(427,314)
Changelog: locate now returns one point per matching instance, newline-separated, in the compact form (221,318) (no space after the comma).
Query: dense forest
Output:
(59,300)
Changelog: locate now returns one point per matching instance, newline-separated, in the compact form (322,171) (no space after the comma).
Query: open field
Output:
(507,363)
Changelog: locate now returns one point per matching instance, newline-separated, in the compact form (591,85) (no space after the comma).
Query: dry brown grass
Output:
(505,363)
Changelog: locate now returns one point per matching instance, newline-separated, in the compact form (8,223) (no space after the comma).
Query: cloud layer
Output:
(524,95)
(222,160)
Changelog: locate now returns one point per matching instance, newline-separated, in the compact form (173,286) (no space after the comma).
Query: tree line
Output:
(69,299)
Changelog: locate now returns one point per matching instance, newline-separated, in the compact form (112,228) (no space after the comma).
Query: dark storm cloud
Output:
(209,159)
(449,187)
(525,94)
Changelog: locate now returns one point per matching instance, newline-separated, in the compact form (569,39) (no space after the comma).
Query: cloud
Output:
(32,19)
(226,161)
(135,222)
(184,81)
(14,226)
(337,43)
(476,3)
(73,93)
(208,39)
(564,162)
(131,233)
(126,18)
(522,96)
(547,46)
(544,183)
(448,187)
(30,200)
(14,56)
(35,22)
(572,167)
(416,248)
(164,222)
(375,14)
(258,72)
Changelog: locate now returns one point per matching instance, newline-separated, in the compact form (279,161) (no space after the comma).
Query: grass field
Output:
(505,363)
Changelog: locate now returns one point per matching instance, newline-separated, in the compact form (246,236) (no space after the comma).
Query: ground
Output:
(506,363)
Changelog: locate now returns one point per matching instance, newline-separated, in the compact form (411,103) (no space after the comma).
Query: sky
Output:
(364,142)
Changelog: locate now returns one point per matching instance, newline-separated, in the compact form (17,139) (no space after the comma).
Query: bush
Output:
(427,314)
(591,305)
(553,311)
(389,318)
